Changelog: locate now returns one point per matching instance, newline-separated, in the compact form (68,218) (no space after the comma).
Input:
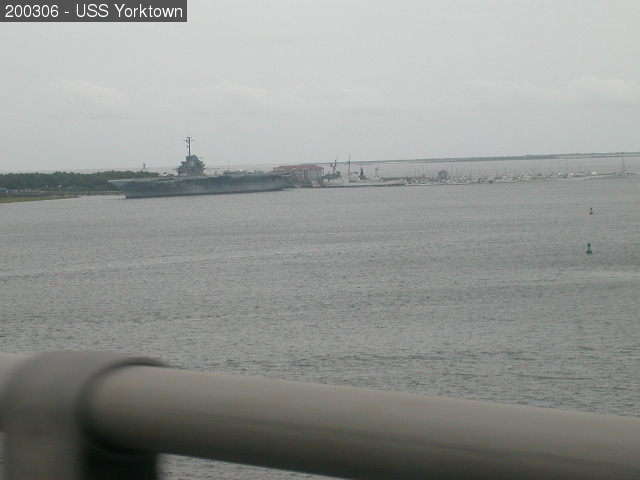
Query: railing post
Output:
(43,412)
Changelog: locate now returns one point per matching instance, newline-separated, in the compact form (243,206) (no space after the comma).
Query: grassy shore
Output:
(14,199)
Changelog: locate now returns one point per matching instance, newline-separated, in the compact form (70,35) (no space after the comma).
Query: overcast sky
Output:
(287,81)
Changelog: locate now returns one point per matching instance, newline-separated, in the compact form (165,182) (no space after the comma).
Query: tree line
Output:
(67,181)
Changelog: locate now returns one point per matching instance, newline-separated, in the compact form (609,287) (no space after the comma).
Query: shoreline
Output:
(19,199)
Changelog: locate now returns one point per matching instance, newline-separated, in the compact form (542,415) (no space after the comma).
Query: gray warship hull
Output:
(200,185)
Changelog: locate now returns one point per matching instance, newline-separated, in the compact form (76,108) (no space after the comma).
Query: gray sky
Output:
(287,81)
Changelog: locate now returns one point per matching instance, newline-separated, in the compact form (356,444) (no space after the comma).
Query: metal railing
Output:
(92,416)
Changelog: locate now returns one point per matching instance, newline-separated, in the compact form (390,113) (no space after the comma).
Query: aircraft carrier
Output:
(191,180)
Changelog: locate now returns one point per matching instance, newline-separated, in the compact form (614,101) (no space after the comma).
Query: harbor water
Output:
(470,291)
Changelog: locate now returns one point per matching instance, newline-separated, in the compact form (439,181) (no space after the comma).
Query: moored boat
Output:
(191,180)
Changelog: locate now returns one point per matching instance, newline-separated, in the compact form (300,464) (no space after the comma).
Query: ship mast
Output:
(188,142)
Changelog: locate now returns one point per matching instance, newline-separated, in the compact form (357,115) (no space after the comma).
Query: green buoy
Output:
(589,251)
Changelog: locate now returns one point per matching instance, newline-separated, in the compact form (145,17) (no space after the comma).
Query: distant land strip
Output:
(544,156)
(13,199)
(64,182)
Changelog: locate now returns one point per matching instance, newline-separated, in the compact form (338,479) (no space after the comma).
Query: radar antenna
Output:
(191,165)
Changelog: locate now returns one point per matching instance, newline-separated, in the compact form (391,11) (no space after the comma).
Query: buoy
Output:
(591,211)
(589,252)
